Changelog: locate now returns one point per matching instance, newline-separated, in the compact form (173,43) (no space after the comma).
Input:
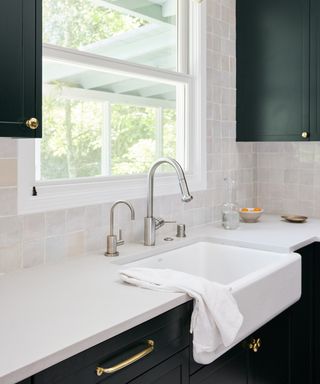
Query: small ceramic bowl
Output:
(250,215)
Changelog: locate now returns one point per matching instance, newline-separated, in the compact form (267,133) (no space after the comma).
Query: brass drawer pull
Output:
(305,134)
(150,347)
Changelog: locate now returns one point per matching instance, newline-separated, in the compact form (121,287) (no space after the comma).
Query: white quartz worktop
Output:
(51,312)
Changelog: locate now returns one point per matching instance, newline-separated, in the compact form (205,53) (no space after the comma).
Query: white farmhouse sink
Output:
(263,283)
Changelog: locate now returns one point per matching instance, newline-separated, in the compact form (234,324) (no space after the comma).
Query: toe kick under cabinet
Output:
(284,351)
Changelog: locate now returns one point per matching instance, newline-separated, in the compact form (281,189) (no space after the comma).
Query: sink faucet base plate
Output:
(111,254)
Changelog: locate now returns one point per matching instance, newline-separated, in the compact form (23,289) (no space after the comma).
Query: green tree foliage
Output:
(71,144)
(169,133)
(76,23)
(133,138)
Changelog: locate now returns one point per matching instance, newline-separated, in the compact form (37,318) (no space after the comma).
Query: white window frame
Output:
(53,195)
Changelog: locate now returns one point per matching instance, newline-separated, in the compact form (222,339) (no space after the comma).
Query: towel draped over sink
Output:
(216,318)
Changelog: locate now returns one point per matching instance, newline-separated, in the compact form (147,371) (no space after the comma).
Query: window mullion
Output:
(107,64)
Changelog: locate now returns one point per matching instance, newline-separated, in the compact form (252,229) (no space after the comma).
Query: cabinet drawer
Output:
(169,332)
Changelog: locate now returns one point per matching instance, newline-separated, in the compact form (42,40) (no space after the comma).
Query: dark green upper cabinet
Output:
(274,66)
(20,68)
(315,69)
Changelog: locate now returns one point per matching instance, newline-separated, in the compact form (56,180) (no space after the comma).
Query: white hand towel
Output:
(216,318)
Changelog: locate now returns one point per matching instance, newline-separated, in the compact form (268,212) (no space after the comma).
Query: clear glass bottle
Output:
(230,209)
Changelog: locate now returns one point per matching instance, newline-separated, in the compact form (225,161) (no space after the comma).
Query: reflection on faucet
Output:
(151,224)
(112,241)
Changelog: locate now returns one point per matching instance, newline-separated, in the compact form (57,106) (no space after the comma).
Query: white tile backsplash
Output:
(34,226)
(8,172)
(55,223)
(288,177)
(33,252)
(10,258)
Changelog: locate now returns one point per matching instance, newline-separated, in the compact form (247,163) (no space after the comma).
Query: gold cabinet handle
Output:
(255,344)
(305,134)
(150,347)
(32,123)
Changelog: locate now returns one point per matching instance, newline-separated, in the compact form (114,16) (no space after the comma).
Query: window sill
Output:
(63,196)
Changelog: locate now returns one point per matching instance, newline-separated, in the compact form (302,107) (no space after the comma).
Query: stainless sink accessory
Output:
(181,230)
(112,241)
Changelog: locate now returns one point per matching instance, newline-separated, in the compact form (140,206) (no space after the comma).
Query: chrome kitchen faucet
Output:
(151,224)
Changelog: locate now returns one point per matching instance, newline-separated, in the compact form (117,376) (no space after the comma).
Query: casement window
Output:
(123,84)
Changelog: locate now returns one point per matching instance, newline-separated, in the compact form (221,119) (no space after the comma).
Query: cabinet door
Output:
(172,371)
(20,67)
(272,70)
(302,323)
(315,70)
(316,301)
(229,368)
(269,360)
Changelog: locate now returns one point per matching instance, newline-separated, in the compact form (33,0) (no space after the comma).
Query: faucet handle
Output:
(161,222)
(120,241)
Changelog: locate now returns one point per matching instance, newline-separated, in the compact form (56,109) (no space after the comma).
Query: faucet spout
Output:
(150,226)
(112,213)
(186,196)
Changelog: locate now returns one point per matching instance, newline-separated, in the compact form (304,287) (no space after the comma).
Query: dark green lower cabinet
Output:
(271,363)
(230,368)
(266,362)
(316,329)
(172,371)
(302,323)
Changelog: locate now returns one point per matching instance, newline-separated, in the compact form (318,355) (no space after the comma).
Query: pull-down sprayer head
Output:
(185,194)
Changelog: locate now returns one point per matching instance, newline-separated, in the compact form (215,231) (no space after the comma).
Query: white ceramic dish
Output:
(250,216)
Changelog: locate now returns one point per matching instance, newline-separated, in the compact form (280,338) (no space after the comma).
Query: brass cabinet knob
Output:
(255,344)
(32,123)
(305,134)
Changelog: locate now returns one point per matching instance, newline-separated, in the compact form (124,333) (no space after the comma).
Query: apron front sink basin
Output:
(263,283)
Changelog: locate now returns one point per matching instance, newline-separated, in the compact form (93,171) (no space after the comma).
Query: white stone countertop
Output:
(51,312)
